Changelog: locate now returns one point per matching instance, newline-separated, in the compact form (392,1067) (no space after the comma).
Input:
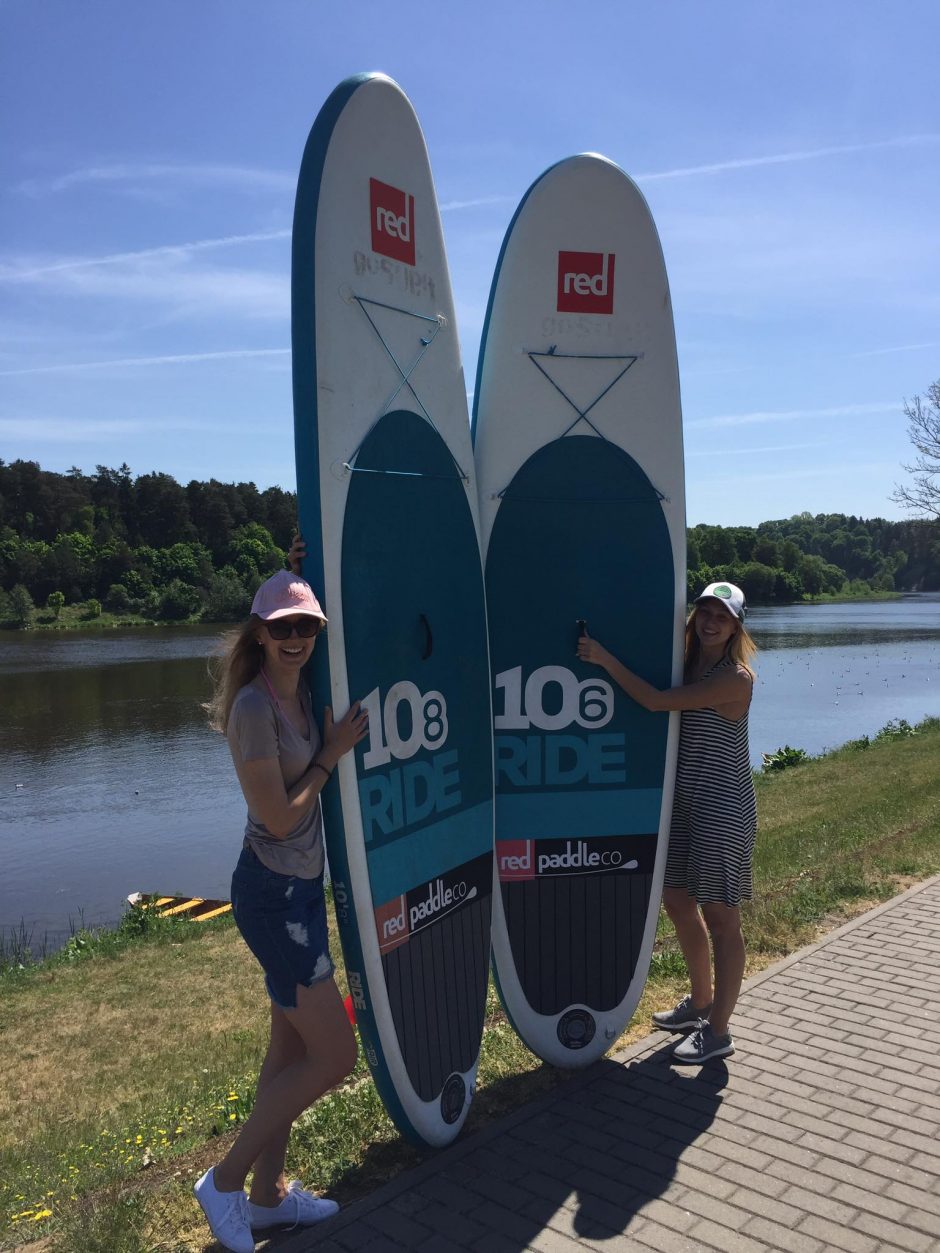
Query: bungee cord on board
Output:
(551,352)
(439,323)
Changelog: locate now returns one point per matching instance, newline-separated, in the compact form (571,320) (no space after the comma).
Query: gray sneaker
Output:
(702,1044)
(683,1018)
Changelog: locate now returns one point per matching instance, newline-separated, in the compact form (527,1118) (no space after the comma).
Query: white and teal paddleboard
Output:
(388,506)
(578,445)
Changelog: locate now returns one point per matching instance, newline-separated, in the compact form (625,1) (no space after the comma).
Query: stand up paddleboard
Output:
(387,503)
(578,443)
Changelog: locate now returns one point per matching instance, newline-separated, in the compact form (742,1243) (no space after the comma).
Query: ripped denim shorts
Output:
(282,919)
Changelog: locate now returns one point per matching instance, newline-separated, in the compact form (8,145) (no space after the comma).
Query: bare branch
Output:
(923,415)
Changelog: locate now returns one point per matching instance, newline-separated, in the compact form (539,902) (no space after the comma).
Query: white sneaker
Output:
(298,1209)
(226,1214)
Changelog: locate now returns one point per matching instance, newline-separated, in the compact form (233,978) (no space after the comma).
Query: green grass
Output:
(21,958)
(130,1058)
(77,617)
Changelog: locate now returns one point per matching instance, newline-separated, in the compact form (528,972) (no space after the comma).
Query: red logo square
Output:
(393,221)
(585,282)
(391,924)
(515,860)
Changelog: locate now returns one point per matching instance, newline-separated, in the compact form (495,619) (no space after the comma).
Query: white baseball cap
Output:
(730,596)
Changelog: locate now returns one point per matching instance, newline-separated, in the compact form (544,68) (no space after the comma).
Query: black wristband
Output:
(318,765)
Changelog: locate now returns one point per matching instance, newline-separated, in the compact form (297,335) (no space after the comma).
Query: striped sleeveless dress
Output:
(714,812)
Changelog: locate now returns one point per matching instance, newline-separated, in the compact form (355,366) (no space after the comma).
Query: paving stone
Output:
(714,1209)
(817,1203)
(374,1241)
(462,1228)
(837,1148)
(758,1180)
(461,1198)
(713,1235)
(549,1241)
(781,1237)
(837,1237)
(493,1242)
(411,1202)
(892,1233)
(910,1139)
(826,1146)
(592,1219)
(876,1203)
(363,1236)
(653,1236)
(399,1226)
(441,1244)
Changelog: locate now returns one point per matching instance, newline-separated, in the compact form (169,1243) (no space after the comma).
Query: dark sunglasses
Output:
(306,628)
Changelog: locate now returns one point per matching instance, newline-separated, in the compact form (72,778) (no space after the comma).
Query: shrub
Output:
(20,607)
(784,758)
(178,601)
(118,599)
(896,729)
(227,600)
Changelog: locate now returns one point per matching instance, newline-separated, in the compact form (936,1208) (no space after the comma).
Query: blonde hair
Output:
(234,664)
(741,647)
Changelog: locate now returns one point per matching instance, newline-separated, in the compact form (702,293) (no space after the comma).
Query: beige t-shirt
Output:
(258,730)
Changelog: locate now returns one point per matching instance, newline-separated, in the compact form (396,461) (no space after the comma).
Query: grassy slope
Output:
(120,1073)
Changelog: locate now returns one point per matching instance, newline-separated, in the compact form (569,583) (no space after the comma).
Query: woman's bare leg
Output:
(692,935)
(268,1185)
(724,926)
(329,1056)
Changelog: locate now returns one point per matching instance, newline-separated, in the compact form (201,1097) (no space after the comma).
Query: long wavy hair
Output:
(741,647)
(234,664)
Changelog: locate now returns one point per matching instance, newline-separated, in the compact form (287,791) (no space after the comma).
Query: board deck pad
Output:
(579,460)
(388,507)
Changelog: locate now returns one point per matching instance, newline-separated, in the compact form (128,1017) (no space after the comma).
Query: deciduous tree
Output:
(923,416)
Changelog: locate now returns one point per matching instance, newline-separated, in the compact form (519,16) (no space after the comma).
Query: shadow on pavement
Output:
(584,1165)
(602,1152)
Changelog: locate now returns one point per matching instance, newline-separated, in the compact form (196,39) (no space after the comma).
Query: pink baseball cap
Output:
(285,595)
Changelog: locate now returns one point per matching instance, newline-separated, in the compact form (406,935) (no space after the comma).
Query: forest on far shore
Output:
(147,547)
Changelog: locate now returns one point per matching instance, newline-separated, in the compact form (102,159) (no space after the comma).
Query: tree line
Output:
(147,546)
(811,555)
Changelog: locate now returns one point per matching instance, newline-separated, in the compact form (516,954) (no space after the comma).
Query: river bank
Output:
(124,1069)
(111,781)
(80,618)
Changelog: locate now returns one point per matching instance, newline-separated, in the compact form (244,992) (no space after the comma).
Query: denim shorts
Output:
(282,919)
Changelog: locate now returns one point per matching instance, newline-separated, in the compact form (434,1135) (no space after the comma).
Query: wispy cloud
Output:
(183,283)
(163,176)
(787,158)
(450,205)
(11,274)
(755,452)
(795,415)
(81,430)
(882,352)
(126,362)
(807,472)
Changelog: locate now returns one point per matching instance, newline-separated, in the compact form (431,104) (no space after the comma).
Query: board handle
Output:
(428,637)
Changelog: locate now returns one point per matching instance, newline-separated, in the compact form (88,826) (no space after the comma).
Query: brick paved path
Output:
(823,1132)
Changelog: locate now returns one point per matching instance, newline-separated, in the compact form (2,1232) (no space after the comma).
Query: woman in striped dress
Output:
(714,817)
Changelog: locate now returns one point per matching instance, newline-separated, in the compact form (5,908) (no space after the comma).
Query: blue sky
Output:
(790,153)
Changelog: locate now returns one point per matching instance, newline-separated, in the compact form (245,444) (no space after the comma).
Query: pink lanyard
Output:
(272,691)
(281,709)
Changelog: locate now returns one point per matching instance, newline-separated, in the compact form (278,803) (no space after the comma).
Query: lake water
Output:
(111,782)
